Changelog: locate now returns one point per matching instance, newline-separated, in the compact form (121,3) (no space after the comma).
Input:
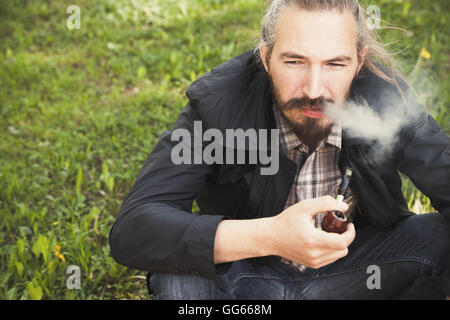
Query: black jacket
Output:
(156,231)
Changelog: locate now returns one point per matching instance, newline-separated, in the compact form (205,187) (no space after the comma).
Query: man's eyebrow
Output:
(293,55)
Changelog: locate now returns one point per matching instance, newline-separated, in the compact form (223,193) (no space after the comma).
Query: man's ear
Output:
(362,57)
(263,51)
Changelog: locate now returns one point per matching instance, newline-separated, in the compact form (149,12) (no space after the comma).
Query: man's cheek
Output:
(287,87)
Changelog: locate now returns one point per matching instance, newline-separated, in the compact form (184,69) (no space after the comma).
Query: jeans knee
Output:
(433,229)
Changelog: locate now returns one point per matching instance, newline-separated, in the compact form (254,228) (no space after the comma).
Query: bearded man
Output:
(259,236)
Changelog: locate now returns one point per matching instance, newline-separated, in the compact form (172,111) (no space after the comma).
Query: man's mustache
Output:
(317,104)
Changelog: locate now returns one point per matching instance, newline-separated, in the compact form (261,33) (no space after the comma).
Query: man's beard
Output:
(309,131)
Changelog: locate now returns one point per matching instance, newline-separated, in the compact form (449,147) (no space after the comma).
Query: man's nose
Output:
(313,87)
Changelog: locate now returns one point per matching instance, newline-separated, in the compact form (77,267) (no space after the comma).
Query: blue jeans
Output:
(408,260)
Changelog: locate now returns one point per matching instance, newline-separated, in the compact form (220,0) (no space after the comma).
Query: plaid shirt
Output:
(318,172)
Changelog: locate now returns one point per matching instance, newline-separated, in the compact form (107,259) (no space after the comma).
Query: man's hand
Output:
(295,237)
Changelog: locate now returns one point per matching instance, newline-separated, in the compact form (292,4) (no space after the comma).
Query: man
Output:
(257,236)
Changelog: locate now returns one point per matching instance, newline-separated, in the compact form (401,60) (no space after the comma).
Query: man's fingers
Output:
(322,204)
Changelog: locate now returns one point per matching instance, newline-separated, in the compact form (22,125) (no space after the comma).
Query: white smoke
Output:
(379,128)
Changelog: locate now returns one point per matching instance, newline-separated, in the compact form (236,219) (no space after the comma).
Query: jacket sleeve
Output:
(426,161)
(155,229)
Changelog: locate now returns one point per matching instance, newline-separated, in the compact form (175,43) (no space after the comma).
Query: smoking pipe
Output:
(336,221)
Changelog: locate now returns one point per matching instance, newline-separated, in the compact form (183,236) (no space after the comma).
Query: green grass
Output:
(80,110)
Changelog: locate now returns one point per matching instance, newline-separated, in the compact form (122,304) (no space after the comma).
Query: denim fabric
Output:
(410,257)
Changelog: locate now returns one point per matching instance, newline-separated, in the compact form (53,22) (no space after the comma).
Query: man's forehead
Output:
(324,34)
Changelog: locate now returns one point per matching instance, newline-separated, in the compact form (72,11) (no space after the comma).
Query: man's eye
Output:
(336,65)
(295,62)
